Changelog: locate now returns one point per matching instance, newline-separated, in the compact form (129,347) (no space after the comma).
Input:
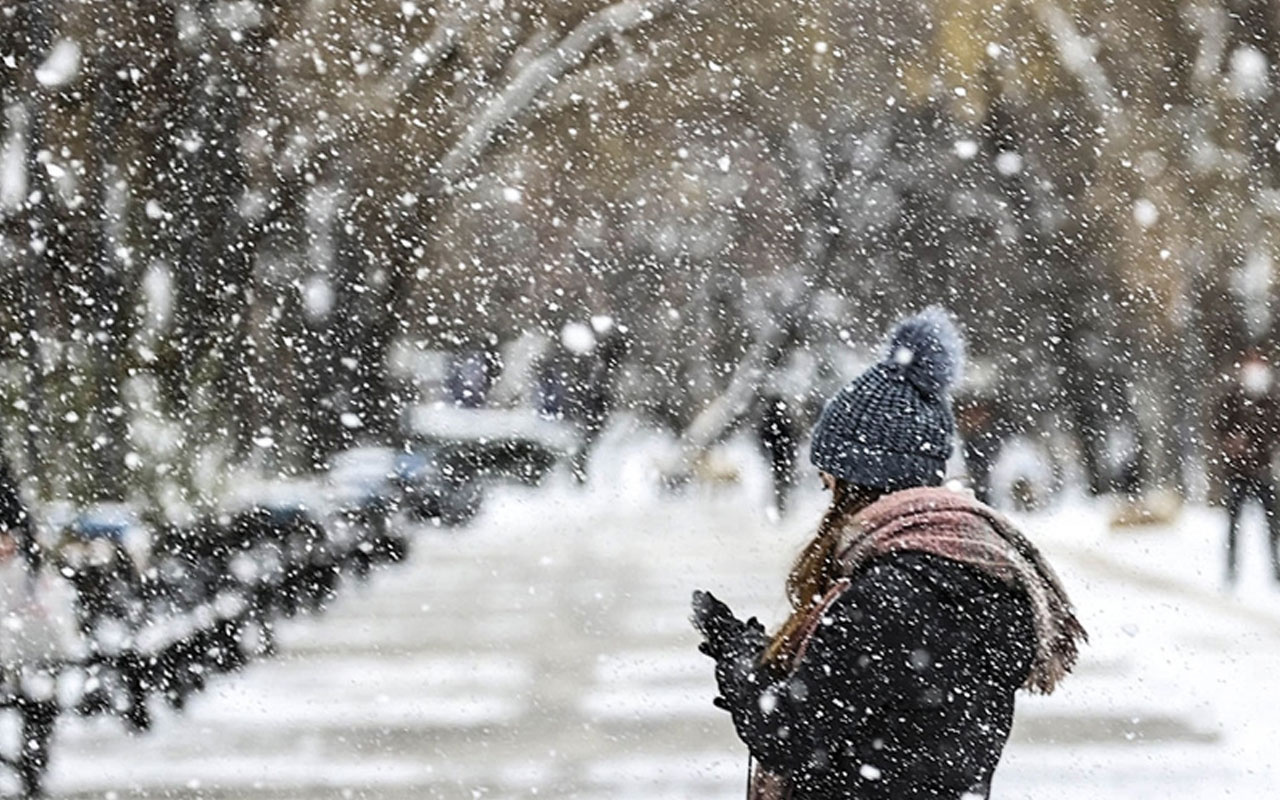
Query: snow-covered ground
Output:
(544,652)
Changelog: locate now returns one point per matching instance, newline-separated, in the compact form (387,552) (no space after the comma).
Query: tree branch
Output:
(817,184)
(1210,22)
(524,88)
(586,85)
(1077,53)
(427,56)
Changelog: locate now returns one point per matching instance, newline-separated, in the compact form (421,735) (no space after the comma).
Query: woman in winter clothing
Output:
(917,611)
(1247,421)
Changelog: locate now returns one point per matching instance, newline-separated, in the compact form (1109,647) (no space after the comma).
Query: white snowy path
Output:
(545,653)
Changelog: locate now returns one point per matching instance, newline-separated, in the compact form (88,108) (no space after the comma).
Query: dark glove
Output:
(736,646)
(724,634)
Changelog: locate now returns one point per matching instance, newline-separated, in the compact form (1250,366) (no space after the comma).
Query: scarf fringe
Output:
(956,526)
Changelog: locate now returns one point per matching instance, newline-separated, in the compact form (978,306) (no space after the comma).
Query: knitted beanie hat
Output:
(892,427)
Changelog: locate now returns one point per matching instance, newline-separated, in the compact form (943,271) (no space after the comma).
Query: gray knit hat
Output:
(892,427)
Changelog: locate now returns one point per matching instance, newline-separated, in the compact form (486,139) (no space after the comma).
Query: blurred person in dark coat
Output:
(778,434)
(15,521)
(978,422)
(577,381)
(1246,423)
(471,374)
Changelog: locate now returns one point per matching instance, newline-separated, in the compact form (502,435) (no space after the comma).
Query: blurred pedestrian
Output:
(471,374)
(577,381)
(779,437)
(1246,424)
(978,421)
(917,611)
(15,521)
(598,388)
(36,633)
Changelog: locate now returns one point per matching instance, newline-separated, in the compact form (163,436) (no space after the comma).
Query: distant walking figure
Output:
(15,523)
(779,440)
(1246,424)
(982,433)
(917,611)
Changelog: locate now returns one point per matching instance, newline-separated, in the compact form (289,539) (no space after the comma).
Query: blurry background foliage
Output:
(217,219)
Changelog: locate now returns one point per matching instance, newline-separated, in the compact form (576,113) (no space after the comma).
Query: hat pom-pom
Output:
(928,350)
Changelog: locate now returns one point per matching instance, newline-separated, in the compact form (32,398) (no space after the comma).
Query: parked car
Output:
(454,452)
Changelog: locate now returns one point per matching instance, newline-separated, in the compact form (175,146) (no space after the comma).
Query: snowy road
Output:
(545,653)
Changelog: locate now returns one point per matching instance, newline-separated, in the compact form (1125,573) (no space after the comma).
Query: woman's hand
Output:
(723,633)
(736,646)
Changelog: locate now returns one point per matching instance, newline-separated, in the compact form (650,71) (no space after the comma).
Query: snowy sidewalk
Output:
(1176,692)
(545,653)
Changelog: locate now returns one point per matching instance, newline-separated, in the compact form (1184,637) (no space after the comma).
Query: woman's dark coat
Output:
(905,690)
